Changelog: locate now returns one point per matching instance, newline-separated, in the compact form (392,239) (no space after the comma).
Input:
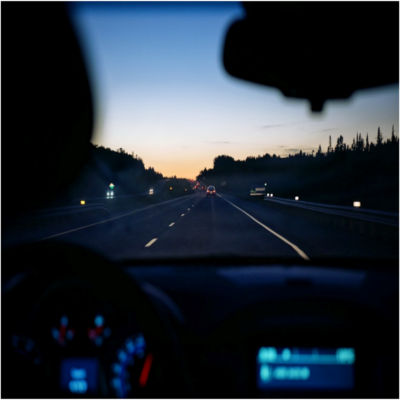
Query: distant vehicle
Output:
(257,191)
(211,191)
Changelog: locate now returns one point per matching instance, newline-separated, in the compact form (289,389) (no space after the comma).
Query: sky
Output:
(162,93)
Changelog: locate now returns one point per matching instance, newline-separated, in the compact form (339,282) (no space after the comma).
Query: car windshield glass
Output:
(170,122)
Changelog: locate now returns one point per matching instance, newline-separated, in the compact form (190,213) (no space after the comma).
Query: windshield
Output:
(170,123)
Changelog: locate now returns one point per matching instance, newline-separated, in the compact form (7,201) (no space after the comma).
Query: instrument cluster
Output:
(85,348)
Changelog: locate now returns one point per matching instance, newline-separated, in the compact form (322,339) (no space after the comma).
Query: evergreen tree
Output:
(340,146)
(359,143)
(379,137)
(393,139)
(330,145)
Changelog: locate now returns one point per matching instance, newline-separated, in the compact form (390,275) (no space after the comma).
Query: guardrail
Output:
(365,215)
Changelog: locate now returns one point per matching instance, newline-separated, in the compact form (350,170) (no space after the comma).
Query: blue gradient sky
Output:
(162,93)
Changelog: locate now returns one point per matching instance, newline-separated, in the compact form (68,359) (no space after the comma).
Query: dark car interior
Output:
(75,324)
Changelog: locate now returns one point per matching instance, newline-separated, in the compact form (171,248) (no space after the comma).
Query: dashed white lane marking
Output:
(152,241)
(112,219)
(300,252)
(172,224)
(182,215)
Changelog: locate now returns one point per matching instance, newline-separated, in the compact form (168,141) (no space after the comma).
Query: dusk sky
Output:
(162,93)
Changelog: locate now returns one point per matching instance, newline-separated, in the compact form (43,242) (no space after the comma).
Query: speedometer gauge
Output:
(132,368)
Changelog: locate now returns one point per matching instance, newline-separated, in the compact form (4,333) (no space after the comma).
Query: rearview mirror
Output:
(313,50)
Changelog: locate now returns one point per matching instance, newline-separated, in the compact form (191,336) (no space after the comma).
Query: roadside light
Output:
(170,188)
(265,183)
(296,198)
(151,191)
(267,194)
(83,202)
(271,195)
(357,204)
(111,186)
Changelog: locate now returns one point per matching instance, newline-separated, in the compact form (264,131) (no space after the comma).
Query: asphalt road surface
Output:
(196,225)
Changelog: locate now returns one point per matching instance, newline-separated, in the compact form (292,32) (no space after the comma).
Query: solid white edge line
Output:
(172,224)
(152,241)
(292,245)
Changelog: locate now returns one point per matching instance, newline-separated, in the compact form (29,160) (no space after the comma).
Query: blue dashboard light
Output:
(286,353)
(265,373)
(55,333)
(140,346)
(345,355)
(79,375)
(116,383)
(122,356)
(99,320)
(140,342)
(79,386)
(130,346)
(305,368)
(117,369)
(64,320)
(267,354)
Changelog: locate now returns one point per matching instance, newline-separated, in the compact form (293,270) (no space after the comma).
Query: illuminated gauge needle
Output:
(144,375)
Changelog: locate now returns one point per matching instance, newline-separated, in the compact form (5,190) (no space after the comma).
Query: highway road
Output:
(195,225)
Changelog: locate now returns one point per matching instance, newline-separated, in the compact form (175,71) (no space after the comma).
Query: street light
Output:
(296,198)
(82,202)
(357,204)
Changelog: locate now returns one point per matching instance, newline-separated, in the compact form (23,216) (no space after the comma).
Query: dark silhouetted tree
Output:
(394,139)
(379,137)
(330,145)
(340,145)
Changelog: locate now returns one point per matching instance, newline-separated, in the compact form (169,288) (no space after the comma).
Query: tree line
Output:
(126,171)
(366,170)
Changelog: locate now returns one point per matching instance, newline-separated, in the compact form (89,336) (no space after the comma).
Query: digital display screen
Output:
(292,368)
(79,375)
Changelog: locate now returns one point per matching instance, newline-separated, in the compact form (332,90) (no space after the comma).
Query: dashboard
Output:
(76,325)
